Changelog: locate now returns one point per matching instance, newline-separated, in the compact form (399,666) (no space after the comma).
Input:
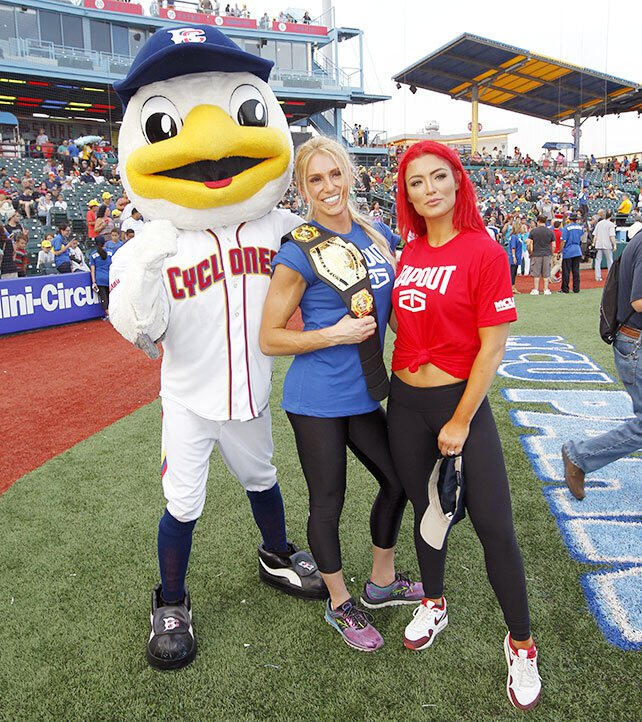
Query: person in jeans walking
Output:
(604,235)
(586,455)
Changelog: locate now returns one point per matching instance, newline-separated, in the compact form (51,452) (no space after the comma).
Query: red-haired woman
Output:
(453,304)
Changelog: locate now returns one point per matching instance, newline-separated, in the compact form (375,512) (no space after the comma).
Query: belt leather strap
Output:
(340,265)
(629,331)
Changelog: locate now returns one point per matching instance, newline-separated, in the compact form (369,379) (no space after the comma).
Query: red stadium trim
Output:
(227,328)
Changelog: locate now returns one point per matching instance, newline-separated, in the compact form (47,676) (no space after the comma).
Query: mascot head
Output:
(204,141)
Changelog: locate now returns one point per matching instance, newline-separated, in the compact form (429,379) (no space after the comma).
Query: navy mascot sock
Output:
(174,545)
(267,507)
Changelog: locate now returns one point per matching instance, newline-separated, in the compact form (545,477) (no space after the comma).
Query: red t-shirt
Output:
(442,296)
(557,232)
(91,219)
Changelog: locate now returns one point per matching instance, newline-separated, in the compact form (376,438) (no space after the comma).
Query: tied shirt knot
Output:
(422,357)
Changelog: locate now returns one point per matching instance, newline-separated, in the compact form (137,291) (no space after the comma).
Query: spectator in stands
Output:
(122,203)
(114,242)
(27,203)
(87,176)
(8,268)
(605,243)
(6,207)
(20,255)
(540,248)
(624,209)
(42,137)
(108,200)
(103,223)
(492,228)
(60,245)
(76,256)
(73,151)
(205,6)
(45,204)
(545,208)
(264,22)
(129,234)
(60,205)
(376,216)
(90,219)
(46,262)
(14,226)
(135,221)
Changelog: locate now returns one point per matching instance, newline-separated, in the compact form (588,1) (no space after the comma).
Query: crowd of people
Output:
(110,220)
(234,10)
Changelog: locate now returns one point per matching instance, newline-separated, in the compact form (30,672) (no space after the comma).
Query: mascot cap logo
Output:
(170,53)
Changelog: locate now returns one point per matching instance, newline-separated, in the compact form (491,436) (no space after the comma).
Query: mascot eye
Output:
(159,119)
(247,107)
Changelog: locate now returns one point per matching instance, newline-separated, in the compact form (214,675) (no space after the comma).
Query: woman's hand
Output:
(350,330)
(452,437)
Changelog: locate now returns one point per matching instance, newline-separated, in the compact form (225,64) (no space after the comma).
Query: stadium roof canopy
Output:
(519,80)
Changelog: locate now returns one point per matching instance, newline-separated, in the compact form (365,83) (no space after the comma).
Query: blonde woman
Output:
(325,395)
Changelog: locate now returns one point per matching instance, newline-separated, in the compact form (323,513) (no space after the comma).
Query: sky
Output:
(602,36)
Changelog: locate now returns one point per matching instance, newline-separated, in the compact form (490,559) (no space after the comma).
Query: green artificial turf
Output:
(77,562)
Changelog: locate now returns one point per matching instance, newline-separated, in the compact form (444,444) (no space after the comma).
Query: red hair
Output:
(466,215)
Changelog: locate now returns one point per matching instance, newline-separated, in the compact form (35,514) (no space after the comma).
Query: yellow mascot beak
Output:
(211,162)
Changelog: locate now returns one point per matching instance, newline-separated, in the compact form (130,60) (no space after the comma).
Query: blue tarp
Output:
(551,145)
(8,119)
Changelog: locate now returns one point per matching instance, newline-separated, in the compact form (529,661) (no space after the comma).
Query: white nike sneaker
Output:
(524,684)
(534,292)
(547,292)
(428,619)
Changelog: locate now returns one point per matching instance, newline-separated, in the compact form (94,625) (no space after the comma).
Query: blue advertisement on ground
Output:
(39,301)
(605,529)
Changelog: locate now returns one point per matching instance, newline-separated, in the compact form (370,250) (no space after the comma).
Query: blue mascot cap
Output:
(172,52)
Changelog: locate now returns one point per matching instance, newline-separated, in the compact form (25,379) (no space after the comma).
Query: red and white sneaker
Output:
(524,684)
(428,619)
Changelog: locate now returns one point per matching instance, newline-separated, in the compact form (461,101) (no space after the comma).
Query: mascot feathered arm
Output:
(138,302)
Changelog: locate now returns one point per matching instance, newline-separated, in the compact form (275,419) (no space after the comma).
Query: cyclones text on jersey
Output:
(249,260)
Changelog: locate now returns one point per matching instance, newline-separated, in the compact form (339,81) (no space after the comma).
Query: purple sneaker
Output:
(354,625)
(402,591)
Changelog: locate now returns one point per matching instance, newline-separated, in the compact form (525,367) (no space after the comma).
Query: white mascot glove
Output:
(138,302)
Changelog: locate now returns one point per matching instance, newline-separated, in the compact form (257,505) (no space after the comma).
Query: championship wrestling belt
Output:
(340,265)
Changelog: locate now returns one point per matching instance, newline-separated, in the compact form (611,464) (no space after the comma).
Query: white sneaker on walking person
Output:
(523,685)
(428,619)
(534,292)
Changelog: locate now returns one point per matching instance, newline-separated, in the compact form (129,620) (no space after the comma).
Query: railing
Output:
(375,138)
(46,53)
(343,79)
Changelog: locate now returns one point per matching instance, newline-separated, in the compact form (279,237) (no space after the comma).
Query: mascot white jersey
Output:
(205,154)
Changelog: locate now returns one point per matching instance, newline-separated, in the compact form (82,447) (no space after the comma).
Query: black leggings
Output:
(415,418)
(103,295)
(322,443)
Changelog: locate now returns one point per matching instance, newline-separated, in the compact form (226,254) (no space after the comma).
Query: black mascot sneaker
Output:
(172,643)
(296,574)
